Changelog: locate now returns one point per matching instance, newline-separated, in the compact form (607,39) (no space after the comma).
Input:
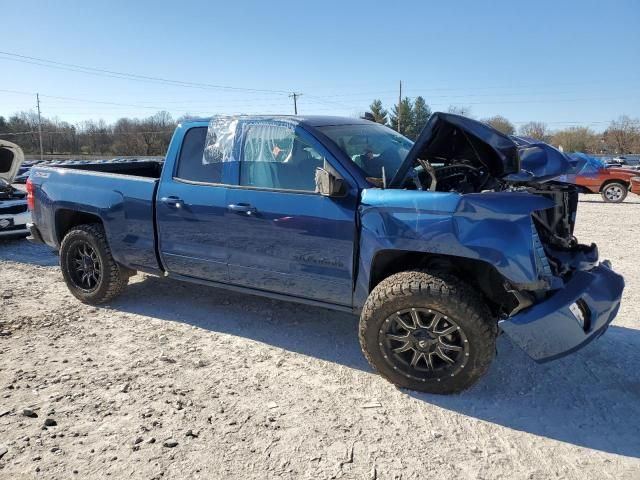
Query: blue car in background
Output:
(437,245)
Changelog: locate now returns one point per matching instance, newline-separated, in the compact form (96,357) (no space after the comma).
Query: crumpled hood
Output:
(539,161)
(11,157)
(451,137)
(456,138)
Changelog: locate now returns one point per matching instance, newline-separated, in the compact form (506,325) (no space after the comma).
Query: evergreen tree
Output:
(405,112)
(378,112)
(421,113)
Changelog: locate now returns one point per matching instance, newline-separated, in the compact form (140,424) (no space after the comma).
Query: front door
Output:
(282,236)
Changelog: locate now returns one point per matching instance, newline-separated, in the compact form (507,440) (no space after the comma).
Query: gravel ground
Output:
(182,381)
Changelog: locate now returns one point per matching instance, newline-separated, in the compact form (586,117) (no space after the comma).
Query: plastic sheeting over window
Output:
(221,135)
(269,139)
(266,142)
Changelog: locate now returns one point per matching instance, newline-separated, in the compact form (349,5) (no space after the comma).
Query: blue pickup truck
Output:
(438,245)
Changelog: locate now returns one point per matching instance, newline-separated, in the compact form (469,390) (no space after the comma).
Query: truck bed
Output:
(137,168)
(118,195)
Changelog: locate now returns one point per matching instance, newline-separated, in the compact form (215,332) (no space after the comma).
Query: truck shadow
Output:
(590,399)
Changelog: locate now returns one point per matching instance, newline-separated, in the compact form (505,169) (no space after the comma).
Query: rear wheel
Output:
(614,192)
(427,332)
(88,268)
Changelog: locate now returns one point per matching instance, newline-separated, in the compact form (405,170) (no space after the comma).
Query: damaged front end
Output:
(513,214)
(583,295)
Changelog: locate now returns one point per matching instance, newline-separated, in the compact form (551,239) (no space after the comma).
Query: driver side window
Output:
(275,157)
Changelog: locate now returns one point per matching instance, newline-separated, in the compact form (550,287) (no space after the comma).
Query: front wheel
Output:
(614,192)
(427,332)
(88,268)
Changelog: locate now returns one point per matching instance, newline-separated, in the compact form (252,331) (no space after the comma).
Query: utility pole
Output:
(399,106)
(39,126)
(295,96)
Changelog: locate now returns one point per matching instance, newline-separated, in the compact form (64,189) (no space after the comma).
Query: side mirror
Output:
(327,184)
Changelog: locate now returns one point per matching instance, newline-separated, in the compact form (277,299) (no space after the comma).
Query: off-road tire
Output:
(443,293)
(113,278)
(620,189)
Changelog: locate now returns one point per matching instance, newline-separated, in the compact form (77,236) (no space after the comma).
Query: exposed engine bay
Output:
(458,155)
(459,176)
(554,225)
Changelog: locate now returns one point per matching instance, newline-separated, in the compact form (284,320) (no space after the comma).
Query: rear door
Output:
(282,235)
(191,207)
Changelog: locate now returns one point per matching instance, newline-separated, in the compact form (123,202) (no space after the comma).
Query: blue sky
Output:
(562,62)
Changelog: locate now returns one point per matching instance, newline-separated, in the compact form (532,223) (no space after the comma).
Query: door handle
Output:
(172,201)
(242,208)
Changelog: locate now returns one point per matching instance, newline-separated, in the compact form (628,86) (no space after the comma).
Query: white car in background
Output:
(14,213)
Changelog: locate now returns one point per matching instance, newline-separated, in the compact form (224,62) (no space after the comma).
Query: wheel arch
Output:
(479,274)
(613,180)
(66,219)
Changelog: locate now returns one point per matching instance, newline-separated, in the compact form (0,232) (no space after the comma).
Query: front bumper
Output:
(569,319)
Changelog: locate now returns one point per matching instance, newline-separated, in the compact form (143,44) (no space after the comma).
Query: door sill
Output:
(263,293)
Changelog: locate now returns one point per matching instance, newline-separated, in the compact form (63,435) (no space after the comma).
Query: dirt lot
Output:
(182,381)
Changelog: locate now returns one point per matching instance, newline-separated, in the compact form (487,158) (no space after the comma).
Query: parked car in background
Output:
(23,174)
(437,244)
(625,161)
(14,214)
(617,162)
(593,175)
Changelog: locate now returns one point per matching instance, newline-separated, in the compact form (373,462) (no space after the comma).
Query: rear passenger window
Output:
(190,163)
(275,157)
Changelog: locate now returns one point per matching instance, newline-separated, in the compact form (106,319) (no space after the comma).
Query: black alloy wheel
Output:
(85,268)
(423,344)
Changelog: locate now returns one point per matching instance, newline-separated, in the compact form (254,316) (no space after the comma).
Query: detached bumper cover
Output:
(571,318)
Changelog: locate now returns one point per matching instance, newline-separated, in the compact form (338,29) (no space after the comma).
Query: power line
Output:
(119,104)
(128,76)
(47,63)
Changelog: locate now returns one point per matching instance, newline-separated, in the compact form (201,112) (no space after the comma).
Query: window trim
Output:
(241,187)
(303,134)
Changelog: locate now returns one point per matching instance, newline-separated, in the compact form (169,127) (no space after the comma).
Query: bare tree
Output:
(537,130)
(577,139)
(501,124)
(623,134)
(463,110)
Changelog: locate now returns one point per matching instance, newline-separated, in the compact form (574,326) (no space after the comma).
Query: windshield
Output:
(371,147)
